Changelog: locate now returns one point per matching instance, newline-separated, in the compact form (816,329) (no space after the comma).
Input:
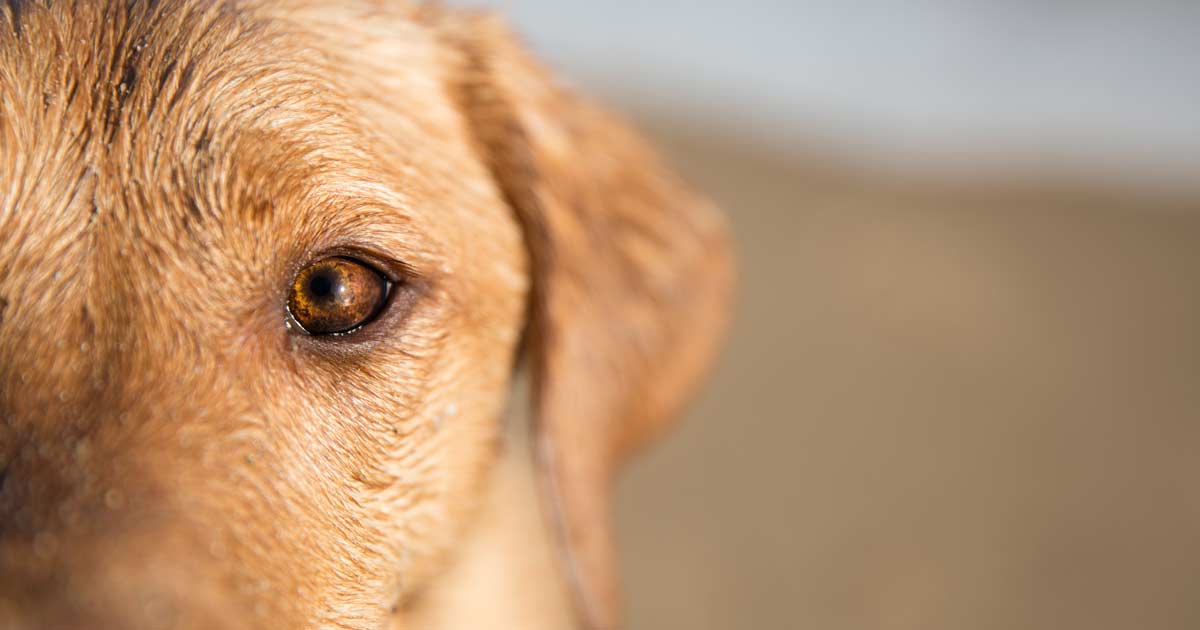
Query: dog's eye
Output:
(336,295)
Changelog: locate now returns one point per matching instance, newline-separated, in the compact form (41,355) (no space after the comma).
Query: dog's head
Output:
(267,273)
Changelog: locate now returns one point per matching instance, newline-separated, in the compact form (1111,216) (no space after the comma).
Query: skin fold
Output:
(177,453)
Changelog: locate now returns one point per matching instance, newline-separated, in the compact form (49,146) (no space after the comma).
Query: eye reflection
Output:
(336,295)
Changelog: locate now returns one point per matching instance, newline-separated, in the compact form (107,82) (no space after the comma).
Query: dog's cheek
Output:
(371,464)
(444,451)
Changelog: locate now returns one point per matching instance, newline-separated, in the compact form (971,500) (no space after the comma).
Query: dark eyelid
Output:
(404,289)
(394,270)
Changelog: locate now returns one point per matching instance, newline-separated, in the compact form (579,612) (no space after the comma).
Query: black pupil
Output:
(321,285)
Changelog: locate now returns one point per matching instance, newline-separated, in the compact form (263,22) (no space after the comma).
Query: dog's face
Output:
(266,275)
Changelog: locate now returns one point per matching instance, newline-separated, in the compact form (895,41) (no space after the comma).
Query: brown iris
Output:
(336,295)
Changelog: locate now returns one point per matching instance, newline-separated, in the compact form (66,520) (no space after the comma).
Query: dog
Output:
(271,270)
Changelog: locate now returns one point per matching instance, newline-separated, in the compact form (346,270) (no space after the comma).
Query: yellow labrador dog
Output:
(268,269)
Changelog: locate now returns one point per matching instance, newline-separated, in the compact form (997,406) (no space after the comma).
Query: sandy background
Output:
(940,408)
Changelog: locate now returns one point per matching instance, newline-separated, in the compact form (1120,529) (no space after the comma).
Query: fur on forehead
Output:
(199,107)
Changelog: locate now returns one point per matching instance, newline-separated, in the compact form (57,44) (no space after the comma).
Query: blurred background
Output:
(963,387)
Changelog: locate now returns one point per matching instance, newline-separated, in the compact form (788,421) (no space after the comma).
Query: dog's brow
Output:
(163,103)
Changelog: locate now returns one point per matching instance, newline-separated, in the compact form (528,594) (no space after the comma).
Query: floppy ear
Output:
(632,275)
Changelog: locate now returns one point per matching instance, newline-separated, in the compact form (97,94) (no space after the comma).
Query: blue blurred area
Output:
(1105,87)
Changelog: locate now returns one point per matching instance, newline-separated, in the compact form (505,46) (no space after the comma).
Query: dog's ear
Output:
(631,283)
